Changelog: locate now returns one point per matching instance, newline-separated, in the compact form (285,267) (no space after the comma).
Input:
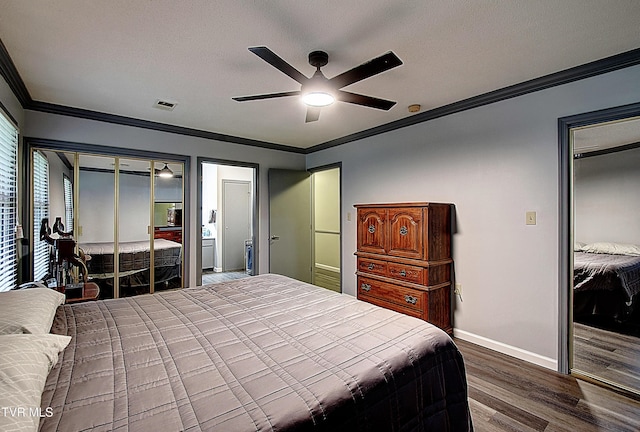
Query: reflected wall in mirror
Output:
(167,216)
(606,282)
(96,219)
(134,234)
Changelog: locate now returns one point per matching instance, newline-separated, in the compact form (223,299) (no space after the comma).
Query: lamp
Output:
(165,172)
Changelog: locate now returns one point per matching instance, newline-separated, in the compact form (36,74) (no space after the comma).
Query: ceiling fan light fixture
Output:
(318,98)
(165,172)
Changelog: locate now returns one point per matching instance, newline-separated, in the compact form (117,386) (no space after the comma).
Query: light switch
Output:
(531,218)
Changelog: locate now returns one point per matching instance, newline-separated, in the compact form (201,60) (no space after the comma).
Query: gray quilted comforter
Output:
(594,271)
(265,353)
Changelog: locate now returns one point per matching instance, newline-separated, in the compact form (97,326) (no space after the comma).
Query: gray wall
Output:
(607,198)
(57,127)
(494,163)
(11,103)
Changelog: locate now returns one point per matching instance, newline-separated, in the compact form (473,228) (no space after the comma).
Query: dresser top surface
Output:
(405,204)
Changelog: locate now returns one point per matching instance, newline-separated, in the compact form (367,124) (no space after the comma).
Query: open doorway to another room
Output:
(227,219)
(304,225)
(326,203)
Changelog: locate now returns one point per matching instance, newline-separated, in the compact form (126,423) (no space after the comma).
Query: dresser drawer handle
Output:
(371,266)
(403,230)
(410,299)
(403,273)
(372,229)
(365,287)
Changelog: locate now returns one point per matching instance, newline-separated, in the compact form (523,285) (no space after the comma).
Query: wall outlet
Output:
(457,290)
(531,218)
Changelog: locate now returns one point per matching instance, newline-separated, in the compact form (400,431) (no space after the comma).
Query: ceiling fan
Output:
(319,91)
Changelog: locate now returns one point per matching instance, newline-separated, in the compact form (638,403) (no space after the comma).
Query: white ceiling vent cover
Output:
(165,105)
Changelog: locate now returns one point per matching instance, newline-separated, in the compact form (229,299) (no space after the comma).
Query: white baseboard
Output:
(503,348)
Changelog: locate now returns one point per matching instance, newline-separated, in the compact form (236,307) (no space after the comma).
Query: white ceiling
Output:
(120,56)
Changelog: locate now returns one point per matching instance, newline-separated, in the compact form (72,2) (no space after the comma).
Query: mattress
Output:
(264,353)
(133,256)
(605,285)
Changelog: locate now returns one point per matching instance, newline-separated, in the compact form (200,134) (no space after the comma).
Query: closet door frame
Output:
(31,143)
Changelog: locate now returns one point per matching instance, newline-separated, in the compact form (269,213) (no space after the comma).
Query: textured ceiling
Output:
(606,135)
(120,56)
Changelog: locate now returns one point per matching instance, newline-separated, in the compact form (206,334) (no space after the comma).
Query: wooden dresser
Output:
(404,259)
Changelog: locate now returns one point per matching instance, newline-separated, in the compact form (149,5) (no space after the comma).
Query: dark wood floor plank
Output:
(507,394)
(609,355)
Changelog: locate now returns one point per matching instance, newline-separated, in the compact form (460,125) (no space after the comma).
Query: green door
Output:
(290,223)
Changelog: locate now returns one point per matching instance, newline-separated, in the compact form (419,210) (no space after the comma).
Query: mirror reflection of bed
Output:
(606,293)
(81,189)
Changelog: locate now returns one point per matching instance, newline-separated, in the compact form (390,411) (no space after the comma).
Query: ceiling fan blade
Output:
(266,96)
(274,60)
(313,114)
(368,101)
(372,67)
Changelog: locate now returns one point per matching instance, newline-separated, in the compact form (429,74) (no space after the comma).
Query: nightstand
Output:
(90,291)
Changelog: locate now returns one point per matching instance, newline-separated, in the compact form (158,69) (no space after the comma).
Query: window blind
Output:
(68,203)
(40,211)
(8,203)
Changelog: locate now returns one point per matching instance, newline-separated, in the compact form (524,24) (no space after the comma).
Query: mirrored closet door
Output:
(168,190)
(606,253)
(114,221)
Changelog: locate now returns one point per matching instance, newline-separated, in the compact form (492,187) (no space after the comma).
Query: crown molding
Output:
(157,126)
(598,67)
(12,77)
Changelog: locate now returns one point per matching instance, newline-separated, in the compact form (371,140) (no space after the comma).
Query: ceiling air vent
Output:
(165,105)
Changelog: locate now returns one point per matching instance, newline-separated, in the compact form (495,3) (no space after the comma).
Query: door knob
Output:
(275,237)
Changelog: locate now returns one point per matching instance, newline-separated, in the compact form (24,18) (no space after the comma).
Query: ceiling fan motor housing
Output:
(318,59)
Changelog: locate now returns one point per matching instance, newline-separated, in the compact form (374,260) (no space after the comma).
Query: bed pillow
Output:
(579,246)
(28,310)
(612,248)
(25,362)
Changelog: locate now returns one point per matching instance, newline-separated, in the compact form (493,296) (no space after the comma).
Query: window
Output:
(8,203)
(40,211)
(68,203)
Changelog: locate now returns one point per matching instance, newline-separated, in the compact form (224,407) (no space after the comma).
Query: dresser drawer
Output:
(402,296)
(406,272)
(392,306)
(376,267)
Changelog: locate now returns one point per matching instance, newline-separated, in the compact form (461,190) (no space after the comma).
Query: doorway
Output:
(305,225)
(228,218)
(600,296)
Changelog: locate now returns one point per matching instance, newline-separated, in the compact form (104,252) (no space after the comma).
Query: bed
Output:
(134,262)
(606,281)
(263,353)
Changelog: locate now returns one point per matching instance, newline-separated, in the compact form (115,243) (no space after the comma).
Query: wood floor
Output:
(507,394)
(208,278)
(607,354)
